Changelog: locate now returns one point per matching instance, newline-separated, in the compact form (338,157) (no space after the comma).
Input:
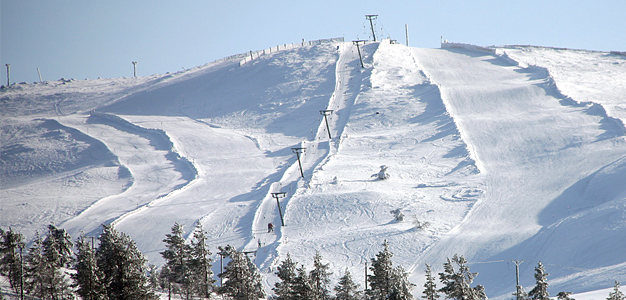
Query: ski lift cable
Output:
(382,29)
(568,267)
(485,262)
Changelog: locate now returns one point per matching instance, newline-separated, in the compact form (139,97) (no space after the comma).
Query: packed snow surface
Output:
(512,154)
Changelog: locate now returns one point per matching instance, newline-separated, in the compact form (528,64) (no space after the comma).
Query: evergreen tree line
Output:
(116,269)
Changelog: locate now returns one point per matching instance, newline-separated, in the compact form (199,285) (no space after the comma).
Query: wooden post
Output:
(8,74)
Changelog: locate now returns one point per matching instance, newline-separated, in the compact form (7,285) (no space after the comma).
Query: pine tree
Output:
(387,282)
(457,282)
(616,294)
(57,255)
(178,261)
(302,287)
(11,245)
(46,262)
(243,281)
(287,274)
(380,280)
(201,264)
(347,289)
(401,287)
(35,269)
(58,247)
(87,275)
(430,288)
(540,291)
(122,266)
(520,294)
(320,278)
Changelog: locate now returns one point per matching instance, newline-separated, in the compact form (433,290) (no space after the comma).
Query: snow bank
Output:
(449,45)
(158,139)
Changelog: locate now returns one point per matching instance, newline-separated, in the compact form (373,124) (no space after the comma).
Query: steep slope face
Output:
(532,145)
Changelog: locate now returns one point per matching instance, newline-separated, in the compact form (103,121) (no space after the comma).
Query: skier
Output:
(270,227)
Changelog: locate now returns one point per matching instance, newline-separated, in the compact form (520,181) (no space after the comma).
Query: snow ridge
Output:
(614,125)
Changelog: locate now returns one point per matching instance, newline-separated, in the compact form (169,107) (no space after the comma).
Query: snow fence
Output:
(256,54)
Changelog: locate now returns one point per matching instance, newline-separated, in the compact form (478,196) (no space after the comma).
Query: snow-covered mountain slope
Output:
(514,155)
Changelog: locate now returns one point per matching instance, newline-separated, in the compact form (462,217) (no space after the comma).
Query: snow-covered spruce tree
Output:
(46,261)
(302,285)
(320,278)
(122,266)
(385,281)
(154,277)
(11,244)
(57,252)
(58,247)
(616,294)
(540,291)
(456,282)
(520,294)
(401,287)
(286,272)
(430,287)
(35,270)
(347,289)
(564,296)
(243,280)
(201,264)
(87,276)
(177,268)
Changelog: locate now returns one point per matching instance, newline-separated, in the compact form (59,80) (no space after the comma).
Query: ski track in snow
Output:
(539,141)
(138,149)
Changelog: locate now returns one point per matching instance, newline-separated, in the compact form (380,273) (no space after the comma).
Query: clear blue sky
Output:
(100,38)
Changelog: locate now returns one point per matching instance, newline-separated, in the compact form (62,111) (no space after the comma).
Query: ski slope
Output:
(512,155)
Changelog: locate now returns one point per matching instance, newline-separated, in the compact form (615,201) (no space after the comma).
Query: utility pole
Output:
(21,273)
(365,275)
(280,211)
(518,288)
(134,69)
(221,267)
(326,113)
(372,17)
(357,48)
(8,74)
(406,32)
(299,150)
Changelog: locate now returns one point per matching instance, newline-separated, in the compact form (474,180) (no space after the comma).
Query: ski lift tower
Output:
(299,150)
(370,18)
(325,113)
(359,50)
(280,211)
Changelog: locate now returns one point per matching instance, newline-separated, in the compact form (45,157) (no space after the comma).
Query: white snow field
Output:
(512,154)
